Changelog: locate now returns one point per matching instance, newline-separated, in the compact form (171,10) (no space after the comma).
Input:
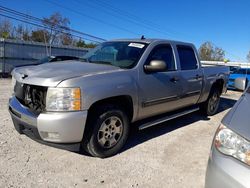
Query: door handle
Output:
(174,79)
(197,76)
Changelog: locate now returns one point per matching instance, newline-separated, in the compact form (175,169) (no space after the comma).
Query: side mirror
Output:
(155,66)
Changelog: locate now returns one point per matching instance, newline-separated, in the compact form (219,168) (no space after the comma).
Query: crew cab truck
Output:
(92,103)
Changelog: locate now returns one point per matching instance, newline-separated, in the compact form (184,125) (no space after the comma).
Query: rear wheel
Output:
(211,106)
(107,132)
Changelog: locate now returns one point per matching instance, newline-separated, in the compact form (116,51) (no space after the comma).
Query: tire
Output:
(107,131)
(210,107)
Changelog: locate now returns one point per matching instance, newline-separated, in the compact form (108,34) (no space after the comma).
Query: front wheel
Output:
(211,106)
(109,132)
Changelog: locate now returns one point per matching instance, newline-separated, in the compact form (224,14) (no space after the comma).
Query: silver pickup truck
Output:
(91,104)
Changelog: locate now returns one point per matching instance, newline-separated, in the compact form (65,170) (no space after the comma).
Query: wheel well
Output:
(218,84)
(123,101)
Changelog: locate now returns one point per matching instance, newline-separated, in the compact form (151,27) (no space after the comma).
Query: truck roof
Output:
(151,40)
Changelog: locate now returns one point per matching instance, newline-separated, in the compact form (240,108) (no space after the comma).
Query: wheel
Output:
(107,132)
(211,106)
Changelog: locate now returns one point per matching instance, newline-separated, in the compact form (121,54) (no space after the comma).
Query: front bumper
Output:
(225,171)
(59,129)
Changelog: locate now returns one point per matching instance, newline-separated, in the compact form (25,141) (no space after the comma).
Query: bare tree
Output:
(66,39)
(26,34)
(208,52)
(57,24)
(19,31)
(57,31)
(219,54)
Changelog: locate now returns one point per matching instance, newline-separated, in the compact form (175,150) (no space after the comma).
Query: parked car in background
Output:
(238,78)
(48,59)
(229,160)
(93,103)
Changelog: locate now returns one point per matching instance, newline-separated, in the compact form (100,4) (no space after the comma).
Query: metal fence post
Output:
(2,73)
(3,66)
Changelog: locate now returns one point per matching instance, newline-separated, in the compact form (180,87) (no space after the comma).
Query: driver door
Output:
(160,91)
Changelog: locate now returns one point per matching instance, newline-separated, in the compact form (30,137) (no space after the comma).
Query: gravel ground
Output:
(173,154)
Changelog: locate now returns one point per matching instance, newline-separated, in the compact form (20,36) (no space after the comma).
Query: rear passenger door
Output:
(191,75)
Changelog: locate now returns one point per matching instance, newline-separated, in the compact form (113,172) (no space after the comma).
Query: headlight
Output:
(232,144)
(63,99)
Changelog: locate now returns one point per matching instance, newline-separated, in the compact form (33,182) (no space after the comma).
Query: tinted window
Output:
(242,71)
(187,58)
(233,69)
(164,53)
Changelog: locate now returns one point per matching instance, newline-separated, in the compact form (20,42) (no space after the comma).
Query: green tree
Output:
(6,28)
(90,45)
(209,52)
(40,35)
(80,43)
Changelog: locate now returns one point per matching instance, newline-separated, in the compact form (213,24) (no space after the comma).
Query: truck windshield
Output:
(120,54)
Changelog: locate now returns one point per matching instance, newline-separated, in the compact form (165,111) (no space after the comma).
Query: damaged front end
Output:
(31,96)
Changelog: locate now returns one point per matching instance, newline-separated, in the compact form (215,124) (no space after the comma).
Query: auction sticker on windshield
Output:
(136,45)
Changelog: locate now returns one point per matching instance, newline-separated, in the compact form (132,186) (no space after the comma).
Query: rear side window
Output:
(165,53)
(187,58)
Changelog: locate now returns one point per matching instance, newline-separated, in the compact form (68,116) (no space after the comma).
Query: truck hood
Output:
(51,74)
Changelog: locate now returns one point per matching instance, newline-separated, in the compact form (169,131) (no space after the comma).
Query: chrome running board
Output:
(167,118)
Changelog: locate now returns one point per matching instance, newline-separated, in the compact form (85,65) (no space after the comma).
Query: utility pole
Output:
(46,46)
(3,65)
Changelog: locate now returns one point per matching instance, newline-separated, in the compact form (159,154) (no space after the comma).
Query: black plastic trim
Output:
(159,101)
(32,132)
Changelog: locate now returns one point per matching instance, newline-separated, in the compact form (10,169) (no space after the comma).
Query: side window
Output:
(164,53)
(187,58)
